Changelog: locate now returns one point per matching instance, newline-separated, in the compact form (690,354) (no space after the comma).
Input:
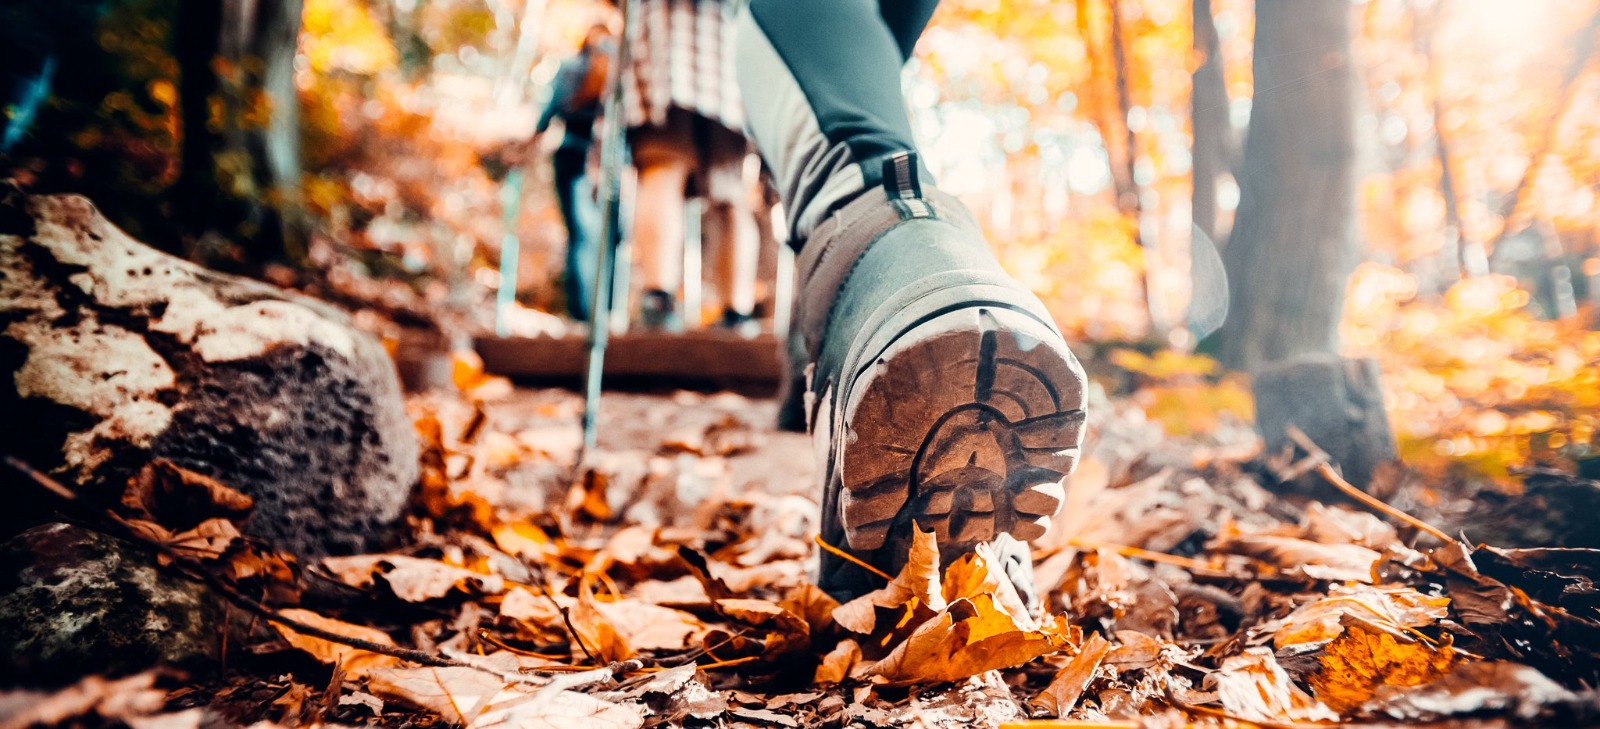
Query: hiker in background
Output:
(684,119)
(576,100)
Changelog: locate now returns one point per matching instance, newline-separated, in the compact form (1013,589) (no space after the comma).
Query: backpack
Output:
(591,87)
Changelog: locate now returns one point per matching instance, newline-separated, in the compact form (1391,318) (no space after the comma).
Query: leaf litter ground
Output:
(665,583)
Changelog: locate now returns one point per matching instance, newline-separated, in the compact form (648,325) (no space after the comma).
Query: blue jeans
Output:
(581,215)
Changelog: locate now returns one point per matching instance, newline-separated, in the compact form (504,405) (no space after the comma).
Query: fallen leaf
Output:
(596,631)
(972,636)
(458,694)
(116,700)
(651,627)
(1477,688)
(362,698)
(473,698)
(353,660)
(411,578)
(1254,687)
(1332,562)
(1319,621)
(1360,661)
(838,663)
(916,585)
(180,499)
(1069,683)
(1134,650)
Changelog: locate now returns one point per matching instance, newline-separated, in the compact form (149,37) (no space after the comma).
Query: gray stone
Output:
(114,353)
(1337,403)
(74,602)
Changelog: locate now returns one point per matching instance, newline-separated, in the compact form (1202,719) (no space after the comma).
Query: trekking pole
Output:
(506,295)
(611,154)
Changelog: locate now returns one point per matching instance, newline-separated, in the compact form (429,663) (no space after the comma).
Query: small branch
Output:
(848,557)
(566,615)
(39,478)
(1325,470)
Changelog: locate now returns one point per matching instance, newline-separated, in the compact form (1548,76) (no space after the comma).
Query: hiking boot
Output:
(658,312)
(941,395)
(739,323)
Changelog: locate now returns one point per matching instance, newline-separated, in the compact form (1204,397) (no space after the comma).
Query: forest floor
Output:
(665,583)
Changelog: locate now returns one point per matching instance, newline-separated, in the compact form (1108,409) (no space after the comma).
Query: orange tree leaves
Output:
(1361,660)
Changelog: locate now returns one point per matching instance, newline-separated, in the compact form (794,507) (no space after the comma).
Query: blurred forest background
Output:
(1123,154)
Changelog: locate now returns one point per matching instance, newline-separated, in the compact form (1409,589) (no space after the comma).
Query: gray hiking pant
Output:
(821,86)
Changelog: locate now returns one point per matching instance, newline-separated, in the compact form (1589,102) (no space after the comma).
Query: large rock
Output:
(114,353)
(74,602)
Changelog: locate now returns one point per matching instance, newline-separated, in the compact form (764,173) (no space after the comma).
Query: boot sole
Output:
(965,423)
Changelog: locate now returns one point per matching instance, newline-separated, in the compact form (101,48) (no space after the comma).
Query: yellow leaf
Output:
(1359,661)
(918,583)
(972,636)
(837,664)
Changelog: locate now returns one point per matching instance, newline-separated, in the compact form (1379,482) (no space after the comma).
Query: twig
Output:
(841,554)
(1325,470)
(1148,555)
(44,482)
(566,615)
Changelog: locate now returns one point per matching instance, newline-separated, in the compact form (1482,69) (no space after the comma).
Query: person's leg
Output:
(734,225)
(940,390)
(663,157)
(577,212)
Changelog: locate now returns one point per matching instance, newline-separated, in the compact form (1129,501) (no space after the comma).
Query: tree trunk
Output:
(1214,143)
(1293,244)
(241,172)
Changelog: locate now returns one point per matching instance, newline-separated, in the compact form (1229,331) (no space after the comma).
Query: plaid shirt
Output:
(683,56)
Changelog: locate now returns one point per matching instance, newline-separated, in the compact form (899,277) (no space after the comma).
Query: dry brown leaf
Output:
(972,636)
(180,499)
(1360,661)
(838,663)
(781,631)
(1332,562)
(1475,688)
(596,630)
(813,605)
(119,700)
(1069,683)
(1254,687)
(978,573)
(208,540)
(916,585)
(411,578)
(1395,606)
(457,694)
(521,539)
(651,627)
(474,698)
(1134,650)
(354,661)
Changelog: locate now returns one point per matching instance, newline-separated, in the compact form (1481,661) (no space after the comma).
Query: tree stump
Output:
(1336,402)
(114,353)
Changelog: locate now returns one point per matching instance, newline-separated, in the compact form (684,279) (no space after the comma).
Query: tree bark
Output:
(1293,244)
(1215,147)
(241,174)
